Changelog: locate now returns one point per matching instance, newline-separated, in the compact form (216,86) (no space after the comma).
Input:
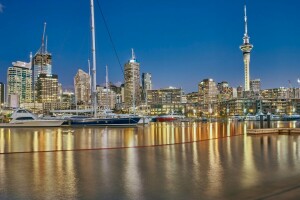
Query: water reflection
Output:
(236,167)
(68,138)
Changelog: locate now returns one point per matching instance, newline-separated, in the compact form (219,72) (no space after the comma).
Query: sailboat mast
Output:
(106,84)
(94,92)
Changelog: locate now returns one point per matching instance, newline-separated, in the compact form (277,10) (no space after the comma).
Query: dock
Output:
(286,131)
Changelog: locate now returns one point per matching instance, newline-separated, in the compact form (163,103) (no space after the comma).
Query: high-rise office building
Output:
(225,92)
(246,48)
(68,100)
(166,100)
(239,91)
(2,93)
(41,63)
(132,82)
(19,80)
(82,85)
(146,81)
(47,88)
(207,90)
(146,84)
(106,97)
(164,96)
(255,85)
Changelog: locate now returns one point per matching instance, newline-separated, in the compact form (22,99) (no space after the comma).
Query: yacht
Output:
(168,118)
(25,118)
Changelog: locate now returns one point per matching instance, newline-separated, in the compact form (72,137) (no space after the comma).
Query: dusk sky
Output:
(179,42)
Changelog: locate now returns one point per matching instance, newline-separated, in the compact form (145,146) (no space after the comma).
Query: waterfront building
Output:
(255,86)
(2,94)
(166,100)
(234,93)
(116,88)
(192,97)
(19,80)
(59,92)
(225,92)
(278,93)
(146,84)
(239,91)
(42,60)
(132,90)
(146,81)
(67,100)
(42,64)
(246,48)
(296,93)
(208,91)
(82,86)
(47,88)
(106,97)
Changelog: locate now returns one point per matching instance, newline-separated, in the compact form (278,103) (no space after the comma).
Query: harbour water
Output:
(178,160)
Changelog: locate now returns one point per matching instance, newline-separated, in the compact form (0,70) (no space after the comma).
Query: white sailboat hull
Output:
(33,123)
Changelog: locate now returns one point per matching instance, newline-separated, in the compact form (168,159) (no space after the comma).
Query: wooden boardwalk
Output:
(288,131)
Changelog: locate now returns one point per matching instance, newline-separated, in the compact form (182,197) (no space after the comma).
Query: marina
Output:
(175,121)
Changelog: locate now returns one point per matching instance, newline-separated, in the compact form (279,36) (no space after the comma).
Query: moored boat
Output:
(25,118)
(168,118)
(110,121)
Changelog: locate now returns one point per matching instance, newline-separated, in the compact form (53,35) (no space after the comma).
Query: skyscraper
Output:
(82,85)
(19,79)
(255,85)
(146,84)
(207,90)
(47,88)
(2,93)
(41,63)
(146,81)
(246,48)
(132,82)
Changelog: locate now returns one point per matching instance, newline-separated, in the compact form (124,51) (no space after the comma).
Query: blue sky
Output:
(179,42)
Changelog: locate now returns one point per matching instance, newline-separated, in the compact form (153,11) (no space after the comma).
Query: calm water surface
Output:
(157,161)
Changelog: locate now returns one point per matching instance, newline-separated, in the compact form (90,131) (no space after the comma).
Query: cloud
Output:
(1,8)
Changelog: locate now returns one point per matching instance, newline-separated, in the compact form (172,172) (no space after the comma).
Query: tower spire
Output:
(246,48)
(132,54)
(246,37)
(246,25)
(43,39)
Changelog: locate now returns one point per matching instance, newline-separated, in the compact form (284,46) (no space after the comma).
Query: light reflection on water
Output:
(69,138)
(236,167)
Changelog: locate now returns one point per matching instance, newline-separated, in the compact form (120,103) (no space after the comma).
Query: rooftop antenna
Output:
(43,39)
(132,54)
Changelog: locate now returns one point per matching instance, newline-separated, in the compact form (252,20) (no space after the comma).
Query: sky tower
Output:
(246,48)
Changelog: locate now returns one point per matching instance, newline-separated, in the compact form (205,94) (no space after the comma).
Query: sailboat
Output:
(113,120)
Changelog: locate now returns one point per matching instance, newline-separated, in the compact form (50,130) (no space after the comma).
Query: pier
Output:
(288,131)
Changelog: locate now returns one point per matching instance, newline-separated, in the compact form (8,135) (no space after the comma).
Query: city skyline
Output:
(179,44)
